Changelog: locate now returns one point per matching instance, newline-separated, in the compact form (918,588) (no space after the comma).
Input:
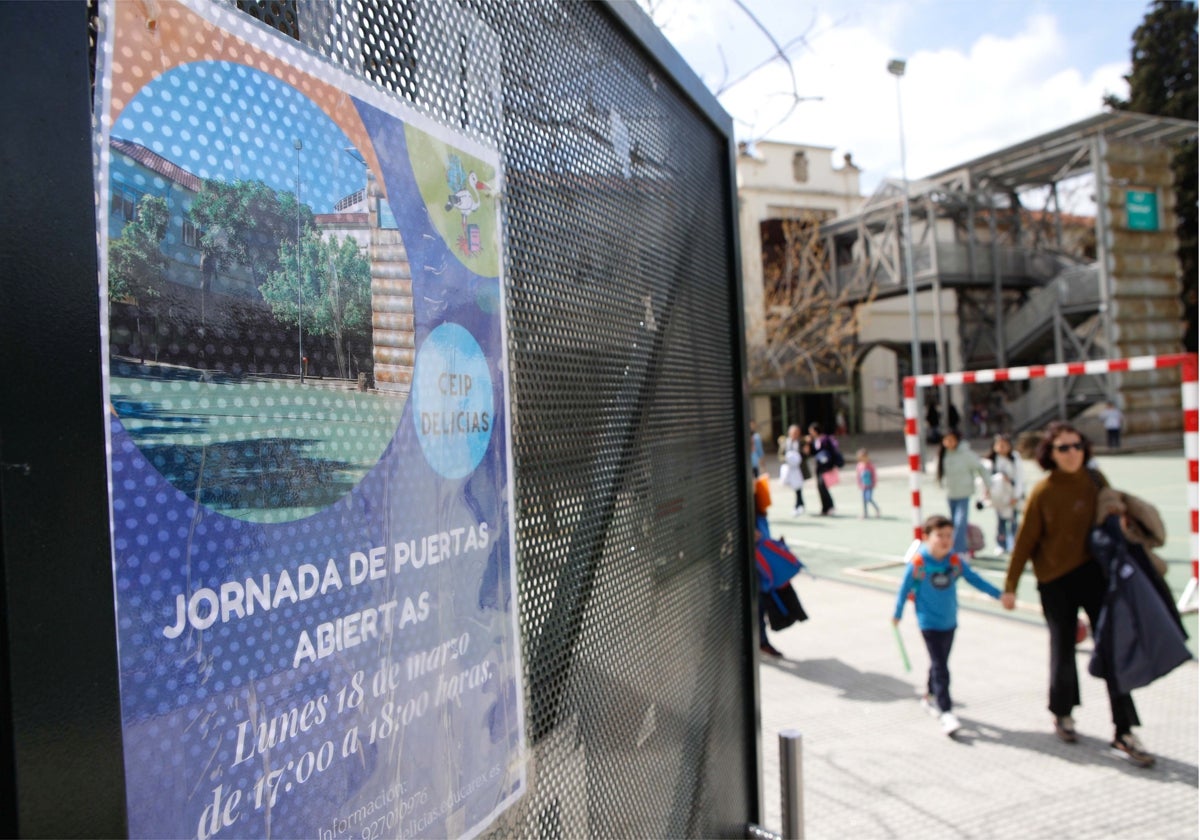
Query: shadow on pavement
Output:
(851,682)
(1086,750)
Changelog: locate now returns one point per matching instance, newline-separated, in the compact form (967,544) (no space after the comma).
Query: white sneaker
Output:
(929,706)
(950,723)
(799,511)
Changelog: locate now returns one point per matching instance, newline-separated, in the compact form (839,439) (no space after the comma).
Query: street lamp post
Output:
(299,270)
(896,68)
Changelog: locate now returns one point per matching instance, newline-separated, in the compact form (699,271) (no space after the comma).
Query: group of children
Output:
(942,557)
(1003,487)
(937,563)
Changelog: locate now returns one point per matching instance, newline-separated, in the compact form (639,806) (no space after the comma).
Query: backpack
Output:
(828,454)
(975,541)
(918,571)
(776,563)
(918,567)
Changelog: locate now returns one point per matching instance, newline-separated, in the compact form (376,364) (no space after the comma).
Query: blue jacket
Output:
(934,583)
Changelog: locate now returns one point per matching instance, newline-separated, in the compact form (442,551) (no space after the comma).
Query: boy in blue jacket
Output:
(931,577)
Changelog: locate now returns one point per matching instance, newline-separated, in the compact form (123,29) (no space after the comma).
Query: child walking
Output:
(931,576)
(794,470)
(1007,490)
(866,482)
(762,531)
(957,468)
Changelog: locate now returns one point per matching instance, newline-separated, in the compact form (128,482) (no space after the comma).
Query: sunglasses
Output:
(1067,447)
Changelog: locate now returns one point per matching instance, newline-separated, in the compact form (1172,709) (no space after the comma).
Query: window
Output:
(191,236)
(800,167)
(124,203)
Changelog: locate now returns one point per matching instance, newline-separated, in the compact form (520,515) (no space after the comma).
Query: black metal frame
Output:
(60,685)
(642,28)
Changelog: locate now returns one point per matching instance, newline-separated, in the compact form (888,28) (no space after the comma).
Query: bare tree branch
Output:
(661,12)
(811,326)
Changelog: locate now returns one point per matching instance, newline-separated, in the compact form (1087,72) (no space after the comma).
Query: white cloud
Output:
(958,102)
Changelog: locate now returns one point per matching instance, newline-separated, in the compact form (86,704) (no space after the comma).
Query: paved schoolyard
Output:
(876,765)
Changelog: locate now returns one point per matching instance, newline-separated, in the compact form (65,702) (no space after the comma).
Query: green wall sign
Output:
(1141,210)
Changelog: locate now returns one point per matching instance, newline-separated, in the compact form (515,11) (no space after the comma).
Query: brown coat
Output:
(1055,526)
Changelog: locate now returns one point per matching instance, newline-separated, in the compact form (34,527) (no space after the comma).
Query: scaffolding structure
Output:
(1034,282)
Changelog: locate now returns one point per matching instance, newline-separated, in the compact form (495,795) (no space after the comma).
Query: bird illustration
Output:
(466,200)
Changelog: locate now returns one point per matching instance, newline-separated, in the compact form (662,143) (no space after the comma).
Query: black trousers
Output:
(938,643)
(1061,601)
(823,492)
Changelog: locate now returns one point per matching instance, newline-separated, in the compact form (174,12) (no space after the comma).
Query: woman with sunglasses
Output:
(1053,536)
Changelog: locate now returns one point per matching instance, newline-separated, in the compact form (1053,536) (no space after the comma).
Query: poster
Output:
(309,443)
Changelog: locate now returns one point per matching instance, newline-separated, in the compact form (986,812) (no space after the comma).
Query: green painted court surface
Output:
(263,450)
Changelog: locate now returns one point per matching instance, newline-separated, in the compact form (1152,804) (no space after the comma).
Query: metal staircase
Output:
(1029,333)
(1048,399)
(1071,300)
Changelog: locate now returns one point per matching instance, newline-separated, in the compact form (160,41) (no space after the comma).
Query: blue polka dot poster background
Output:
(314,578)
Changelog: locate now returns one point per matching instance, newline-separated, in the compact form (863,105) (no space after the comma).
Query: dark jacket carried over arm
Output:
(1139,636)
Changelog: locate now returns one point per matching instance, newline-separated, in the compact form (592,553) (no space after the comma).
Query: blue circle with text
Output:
(453,405)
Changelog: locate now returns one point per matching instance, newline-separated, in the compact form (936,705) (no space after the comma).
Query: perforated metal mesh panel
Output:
(626,397)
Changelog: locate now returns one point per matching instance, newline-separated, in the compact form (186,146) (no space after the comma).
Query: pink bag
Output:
(974,538)
(830,478)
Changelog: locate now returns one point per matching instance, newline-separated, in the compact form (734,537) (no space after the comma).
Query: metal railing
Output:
(1075,290)
(954,260)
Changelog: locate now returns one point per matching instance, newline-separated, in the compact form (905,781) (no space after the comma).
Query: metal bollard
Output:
(791,783)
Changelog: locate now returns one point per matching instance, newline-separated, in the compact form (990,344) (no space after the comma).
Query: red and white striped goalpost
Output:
(1186,361)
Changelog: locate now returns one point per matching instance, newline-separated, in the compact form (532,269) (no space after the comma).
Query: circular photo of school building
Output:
(249,360)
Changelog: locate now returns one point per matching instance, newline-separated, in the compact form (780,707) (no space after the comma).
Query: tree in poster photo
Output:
(245,222)
(334,287)
(136,264)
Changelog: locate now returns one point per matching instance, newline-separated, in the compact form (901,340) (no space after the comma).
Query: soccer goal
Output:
(1187,362)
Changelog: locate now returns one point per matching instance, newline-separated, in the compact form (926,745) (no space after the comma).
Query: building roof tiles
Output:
(157,163)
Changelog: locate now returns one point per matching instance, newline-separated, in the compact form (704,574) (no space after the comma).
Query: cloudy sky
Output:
(980,76)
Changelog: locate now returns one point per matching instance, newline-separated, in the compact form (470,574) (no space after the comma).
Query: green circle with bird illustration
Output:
(459,191)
